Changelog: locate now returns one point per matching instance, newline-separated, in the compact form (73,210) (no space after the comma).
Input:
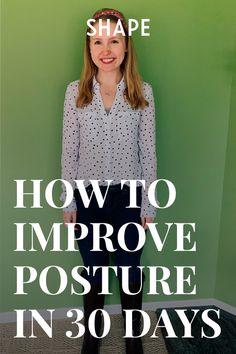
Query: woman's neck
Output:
(109,78)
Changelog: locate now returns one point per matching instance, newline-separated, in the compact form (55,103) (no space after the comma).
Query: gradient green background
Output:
(190,61)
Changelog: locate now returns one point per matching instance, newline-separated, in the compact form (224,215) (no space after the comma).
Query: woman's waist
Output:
(112,187)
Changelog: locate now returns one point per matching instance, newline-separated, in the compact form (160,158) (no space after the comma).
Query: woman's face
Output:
(107,51)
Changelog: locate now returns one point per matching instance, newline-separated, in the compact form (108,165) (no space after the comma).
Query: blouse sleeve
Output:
(70,142)
(147,150)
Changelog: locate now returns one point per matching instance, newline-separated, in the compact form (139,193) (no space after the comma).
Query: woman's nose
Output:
(106,48)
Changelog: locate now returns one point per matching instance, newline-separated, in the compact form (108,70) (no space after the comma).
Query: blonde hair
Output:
(133,92)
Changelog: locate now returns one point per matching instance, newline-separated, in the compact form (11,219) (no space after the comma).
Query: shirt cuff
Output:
(71,206)
(147,209)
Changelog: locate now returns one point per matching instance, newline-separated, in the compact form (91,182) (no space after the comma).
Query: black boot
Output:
(92,301)
(131,302)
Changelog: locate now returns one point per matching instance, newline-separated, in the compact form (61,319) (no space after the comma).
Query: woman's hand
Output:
(69,217)
(145,219)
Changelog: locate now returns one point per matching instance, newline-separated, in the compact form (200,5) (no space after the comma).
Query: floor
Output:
(113,343)
(225,343)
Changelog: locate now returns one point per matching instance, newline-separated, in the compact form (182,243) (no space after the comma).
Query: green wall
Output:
(226,284)
(188,59)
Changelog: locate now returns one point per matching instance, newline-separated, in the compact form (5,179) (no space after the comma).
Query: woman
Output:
(109,134)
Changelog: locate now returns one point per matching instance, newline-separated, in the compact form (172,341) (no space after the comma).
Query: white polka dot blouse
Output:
(115,145)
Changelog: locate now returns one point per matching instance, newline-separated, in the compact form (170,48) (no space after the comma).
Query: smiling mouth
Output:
(107,60)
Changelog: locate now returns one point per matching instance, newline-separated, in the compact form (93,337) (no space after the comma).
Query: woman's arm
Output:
(70,141)
(147,150)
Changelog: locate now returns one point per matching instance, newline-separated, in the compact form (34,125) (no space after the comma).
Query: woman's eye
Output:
(115,41)
(97,42)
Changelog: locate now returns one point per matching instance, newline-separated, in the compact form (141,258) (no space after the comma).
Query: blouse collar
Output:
(120,86)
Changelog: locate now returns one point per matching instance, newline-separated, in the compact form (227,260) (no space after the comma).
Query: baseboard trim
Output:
(6,317)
